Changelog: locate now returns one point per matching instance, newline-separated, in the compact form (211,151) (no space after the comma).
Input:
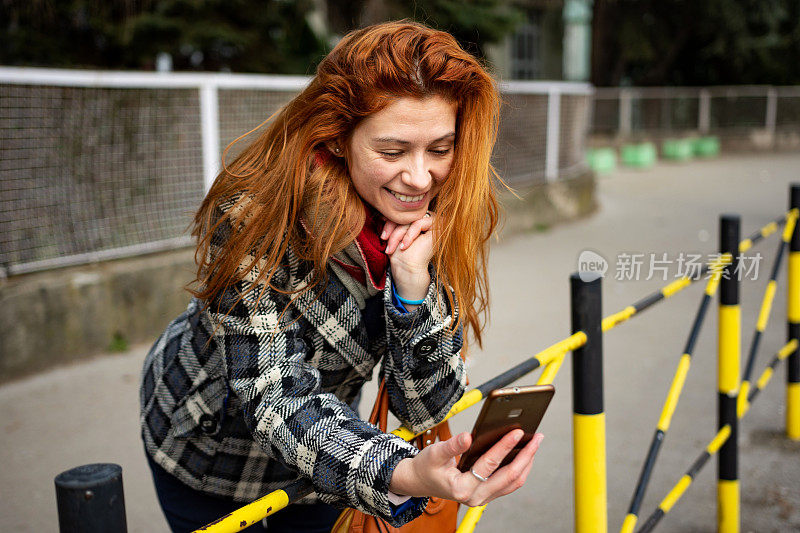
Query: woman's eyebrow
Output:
(400,141)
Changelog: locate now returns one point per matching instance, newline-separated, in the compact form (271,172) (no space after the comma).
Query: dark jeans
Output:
(187,509)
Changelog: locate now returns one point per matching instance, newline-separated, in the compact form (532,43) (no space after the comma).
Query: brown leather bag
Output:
(440,516)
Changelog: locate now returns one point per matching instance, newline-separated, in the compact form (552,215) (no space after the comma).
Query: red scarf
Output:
(373,251)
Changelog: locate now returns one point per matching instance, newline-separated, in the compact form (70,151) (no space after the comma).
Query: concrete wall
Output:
(55,317)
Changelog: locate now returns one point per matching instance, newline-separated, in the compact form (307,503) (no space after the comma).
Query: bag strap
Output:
(380,411)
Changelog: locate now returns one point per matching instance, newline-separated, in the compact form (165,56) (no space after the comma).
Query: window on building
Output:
(526,48)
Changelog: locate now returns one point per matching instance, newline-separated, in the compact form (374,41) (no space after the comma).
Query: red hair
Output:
(279,179)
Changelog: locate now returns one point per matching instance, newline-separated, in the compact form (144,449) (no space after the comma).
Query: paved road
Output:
(88,412)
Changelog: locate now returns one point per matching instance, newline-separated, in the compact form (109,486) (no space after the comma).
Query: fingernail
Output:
(402,246)
(462,439)
(383,235)
(540,438)
(518,436)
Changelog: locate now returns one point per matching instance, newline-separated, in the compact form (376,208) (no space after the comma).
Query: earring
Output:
(337,150)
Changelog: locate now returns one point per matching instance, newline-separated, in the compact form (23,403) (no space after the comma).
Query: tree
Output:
(683,42)
(238,35)
(474,23)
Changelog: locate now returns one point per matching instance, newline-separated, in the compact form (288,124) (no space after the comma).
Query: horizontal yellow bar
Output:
(551,370)
(573,342)
(791,221)
(675,494)
(713,282)
(469,399)
(745,245)
(742,403)
(720,438)
(621,316)
(764,378)
(470,519)
(769,229)
(674,392)
(766,305)
(629,523)
(788,349)
(676,286)
(250,514)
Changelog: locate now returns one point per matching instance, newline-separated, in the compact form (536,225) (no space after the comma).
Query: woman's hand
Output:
(410,249)
(433,472)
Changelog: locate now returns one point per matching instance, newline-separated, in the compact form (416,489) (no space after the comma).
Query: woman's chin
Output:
(402,218)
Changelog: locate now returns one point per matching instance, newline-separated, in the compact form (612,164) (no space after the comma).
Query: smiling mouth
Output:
(406,198)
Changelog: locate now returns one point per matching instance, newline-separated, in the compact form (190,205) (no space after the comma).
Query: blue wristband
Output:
(403,300)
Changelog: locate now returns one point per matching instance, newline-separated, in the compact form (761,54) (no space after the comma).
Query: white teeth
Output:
(404,198)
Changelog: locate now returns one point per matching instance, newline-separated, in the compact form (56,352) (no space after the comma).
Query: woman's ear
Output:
(335,148)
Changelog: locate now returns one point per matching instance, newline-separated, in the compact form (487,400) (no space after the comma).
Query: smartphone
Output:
(505,410)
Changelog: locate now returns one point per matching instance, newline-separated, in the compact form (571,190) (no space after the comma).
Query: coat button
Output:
(425,347)
(208,424)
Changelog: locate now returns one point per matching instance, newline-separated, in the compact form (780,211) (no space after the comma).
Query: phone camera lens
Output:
(516,389)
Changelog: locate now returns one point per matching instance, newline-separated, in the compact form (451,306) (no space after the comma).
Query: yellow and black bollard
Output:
(793,318)
(729,349)
(588,419)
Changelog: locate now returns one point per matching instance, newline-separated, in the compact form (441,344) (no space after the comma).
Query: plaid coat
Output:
(239,404)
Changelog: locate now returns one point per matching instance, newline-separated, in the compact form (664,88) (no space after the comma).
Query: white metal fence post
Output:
(209,119)
(624,113)
(704,112)
(553,134)
(771,113)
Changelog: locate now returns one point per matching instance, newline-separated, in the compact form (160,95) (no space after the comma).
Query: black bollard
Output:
(90,499)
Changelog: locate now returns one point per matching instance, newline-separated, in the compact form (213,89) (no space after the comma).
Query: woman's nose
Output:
(417,175)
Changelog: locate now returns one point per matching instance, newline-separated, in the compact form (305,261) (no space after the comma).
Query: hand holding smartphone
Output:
(503,411)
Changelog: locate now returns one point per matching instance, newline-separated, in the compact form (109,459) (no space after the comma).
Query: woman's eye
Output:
(441,151)
(390,154)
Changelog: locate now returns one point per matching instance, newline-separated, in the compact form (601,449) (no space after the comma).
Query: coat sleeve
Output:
(424,371)
(349,461)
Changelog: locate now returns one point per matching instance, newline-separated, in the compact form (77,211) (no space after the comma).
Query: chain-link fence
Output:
(754,117)
(101,165)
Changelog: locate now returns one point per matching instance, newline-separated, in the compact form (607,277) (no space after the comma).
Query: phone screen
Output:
(506,410)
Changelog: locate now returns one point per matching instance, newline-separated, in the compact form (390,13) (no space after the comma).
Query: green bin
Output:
(706,146)
(602,160)
(677,149)
(642,155)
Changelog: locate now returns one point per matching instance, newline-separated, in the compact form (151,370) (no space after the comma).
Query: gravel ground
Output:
(87,412)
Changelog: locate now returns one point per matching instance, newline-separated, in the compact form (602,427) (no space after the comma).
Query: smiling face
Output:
(399,156)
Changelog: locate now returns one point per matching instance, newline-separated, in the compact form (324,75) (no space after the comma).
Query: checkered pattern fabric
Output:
(241,403)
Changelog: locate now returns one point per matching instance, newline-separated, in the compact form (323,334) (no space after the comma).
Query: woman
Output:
(352,233)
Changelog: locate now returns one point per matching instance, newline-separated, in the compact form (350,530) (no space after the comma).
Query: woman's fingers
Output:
(394,238)
(444,452)
(423,224)
(404,236)
(507,479)
(489,461)
(514,475)
(388,228)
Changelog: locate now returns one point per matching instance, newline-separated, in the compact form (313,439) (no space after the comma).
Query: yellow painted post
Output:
(793,330)
(588,422)
(729,350)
